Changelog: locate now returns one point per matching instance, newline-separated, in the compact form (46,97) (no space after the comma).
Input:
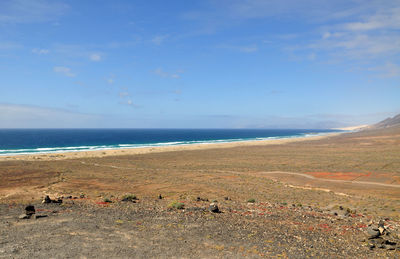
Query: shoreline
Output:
(158,149)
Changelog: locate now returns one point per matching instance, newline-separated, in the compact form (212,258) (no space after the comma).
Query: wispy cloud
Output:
(79,52)
(161,73)
(341,31)
(96,57)
(110,81)
(7,45)
(159,39)
(126,99)
(370,39)
(123,94)
(244,48)
(40,51)
(31,11)
(66,71)
(387,70)
(30,116)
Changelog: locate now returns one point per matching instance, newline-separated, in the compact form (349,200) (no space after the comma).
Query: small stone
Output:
(381,224)
(40,216)
(213,208)
(373,232)
(46,199)
(57,201)
(226,198)
(82,196)
(30,210)
(390,247)
(201,199)
(24,216)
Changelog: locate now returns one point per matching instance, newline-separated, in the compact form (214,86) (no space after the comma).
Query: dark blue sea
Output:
(28,141)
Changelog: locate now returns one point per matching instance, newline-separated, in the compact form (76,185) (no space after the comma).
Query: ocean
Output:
(31,141)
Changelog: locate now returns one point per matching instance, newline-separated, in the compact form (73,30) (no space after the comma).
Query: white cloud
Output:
(369,36)
(79,52)
(96,57)
(40,51)
(29,11)
(125,99)
(66,71)
(161,73)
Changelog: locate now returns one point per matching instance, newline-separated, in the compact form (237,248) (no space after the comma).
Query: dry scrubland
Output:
(292,215)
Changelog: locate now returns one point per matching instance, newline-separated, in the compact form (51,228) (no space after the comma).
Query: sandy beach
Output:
(146,150)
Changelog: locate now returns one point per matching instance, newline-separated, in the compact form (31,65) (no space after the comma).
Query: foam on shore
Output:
(128,149)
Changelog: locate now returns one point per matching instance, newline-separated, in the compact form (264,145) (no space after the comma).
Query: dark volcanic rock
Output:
(213,208)
(46,199)
(373,232)
(30,210)
(41,216)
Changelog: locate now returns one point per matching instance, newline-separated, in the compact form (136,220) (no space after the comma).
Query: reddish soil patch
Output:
(350,176)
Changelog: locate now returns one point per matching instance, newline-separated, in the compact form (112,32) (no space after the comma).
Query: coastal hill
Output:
(389,122)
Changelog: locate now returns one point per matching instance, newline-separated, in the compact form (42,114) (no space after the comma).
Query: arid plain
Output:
(277,200)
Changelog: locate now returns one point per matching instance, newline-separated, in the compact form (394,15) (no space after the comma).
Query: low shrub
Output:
(176,205)
(129,197)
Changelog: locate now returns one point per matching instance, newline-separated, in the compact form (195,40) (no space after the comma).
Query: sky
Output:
(198,64)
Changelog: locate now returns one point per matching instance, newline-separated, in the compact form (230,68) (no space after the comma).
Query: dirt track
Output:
(336,180)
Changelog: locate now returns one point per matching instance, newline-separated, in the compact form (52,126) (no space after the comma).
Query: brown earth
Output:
(359,172)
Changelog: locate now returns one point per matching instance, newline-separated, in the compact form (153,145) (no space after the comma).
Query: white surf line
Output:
(332,180)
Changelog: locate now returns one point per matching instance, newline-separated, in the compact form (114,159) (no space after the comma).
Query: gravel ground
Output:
(85,228)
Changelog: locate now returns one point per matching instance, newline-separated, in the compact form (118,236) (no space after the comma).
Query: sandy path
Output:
(335,181)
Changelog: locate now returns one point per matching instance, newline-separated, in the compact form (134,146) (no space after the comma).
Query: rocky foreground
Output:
(80,227)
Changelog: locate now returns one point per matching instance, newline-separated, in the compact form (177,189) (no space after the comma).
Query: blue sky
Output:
(198,64)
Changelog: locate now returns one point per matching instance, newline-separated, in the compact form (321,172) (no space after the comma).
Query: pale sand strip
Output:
(146,150)
(335,180)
